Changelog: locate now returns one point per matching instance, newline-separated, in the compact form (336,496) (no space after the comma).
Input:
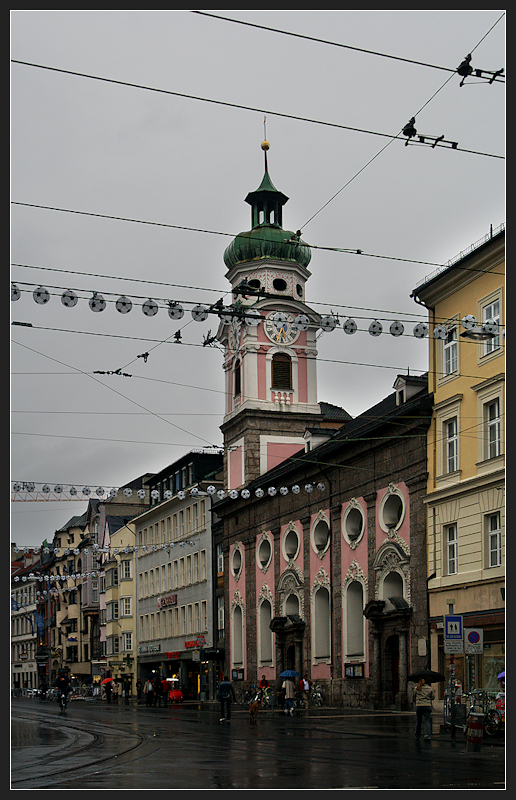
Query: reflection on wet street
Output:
(129,746)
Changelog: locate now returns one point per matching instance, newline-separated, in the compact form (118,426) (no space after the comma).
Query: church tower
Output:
(269,342)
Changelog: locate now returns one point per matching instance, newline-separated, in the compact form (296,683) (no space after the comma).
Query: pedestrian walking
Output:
(290,691)
(148,691)
(158,691)
(43,689)
(165,690)
(423,697)
(225,694)
(304,688)
(139,688)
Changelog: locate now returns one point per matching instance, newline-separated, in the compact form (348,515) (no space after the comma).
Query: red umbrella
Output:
(106,680)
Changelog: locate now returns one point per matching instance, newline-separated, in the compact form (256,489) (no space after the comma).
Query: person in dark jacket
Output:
(225,694)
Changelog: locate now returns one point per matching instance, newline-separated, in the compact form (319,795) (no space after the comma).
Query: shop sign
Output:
(149,648)
(169,600)
(199,642)
(172,655)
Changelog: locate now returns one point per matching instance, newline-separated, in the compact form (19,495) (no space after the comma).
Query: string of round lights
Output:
(30,488)
(252,317)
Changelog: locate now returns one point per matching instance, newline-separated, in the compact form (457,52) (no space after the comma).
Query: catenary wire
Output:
(319,359)
(120,394)
(331,43)
(348,251)
(238,105)
(392,139)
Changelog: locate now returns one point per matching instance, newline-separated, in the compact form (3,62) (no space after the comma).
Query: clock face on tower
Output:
(279,327)
(234,336)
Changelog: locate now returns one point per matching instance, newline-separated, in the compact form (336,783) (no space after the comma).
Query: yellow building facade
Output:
(466,459)
(120,612)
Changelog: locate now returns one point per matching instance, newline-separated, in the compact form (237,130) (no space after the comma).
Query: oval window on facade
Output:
(321,536)
(236,562)
(264,553)
(353,523)
(392,511)
(291,544)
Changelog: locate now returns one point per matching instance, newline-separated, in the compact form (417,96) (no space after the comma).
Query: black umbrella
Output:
(428,674)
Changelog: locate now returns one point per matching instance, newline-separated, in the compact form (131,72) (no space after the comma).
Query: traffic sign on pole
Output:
(453,633)
(473,640)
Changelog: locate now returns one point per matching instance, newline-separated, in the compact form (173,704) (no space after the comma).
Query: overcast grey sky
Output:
(110,149)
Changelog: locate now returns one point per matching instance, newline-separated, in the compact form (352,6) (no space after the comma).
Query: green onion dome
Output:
(267,238)
(267,241)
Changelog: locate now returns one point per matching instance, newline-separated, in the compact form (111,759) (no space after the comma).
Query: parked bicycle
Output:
(246,697)
(268,697)
(317,697)
(481,702)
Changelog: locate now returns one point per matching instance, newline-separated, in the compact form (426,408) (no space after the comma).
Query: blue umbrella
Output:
(501,675)
(289,673)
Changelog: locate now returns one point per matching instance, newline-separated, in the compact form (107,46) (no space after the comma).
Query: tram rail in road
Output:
(117,746)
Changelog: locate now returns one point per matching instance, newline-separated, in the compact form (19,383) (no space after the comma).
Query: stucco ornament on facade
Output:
(237,600)
(291,583)
(354,573)
(322,579)
(392,558)
(266,594)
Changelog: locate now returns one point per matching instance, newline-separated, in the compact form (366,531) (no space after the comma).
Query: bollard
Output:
(475,732)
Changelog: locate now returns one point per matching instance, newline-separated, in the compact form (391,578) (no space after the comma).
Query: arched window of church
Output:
(354,620)
(321,626)
(238,378)
(281,372)
(238,637)
(392,586)
(265,617)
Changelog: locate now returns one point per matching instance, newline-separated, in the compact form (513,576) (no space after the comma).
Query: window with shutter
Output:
(281,371)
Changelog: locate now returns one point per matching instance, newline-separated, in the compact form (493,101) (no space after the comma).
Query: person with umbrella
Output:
(107,684)
(290,689)
(423,697)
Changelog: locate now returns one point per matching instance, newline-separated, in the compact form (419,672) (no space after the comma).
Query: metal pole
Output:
(452,684)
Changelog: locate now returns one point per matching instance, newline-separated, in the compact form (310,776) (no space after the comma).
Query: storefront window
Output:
(477,671)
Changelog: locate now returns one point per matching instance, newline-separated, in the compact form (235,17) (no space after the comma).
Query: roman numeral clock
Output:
(280,327)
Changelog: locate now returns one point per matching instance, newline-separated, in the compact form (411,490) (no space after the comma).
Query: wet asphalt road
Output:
(99,746)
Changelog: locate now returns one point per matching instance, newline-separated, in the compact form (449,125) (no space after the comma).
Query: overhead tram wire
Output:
(143,377)
(139,405)
(348,251)
(309,459)
(332,43)
(395,137)
(231,105)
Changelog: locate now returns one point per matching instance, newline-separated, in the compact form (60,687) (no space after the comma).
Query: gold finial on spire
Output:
(265,144)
